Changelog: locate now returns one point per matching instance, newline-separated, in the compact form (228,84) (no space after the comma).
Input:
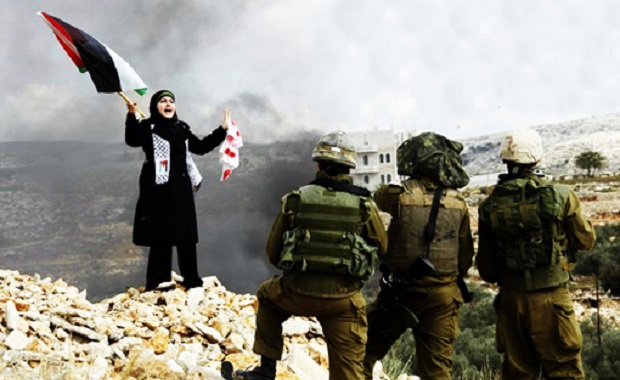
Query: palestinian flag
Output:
(108,71)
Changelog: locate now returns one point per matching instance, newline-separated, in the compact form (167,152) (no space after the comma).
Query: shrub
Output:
(600,362)
(475,352)
(604,259)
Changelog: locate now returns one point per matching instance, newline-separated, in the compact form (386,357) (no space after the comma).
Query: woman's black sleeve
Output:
(133,131)
(207,143)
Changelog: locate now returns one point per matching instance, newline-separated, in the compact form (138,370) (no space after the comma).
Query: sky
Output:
(458,68)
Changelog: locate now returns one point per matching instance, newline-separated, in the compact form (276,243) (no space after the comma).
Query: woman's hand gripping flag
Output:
(229,150)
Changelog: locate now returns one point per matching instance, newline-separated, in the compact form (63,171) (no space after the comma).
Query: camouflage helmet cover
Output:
(433,155)
(335,147)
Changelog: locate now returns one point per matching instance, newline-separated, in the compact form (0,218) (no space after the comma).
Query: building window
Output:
(387,158)
(366,179)
(365,139)
(382,178)
(381,158)
(366,161)
(389,178)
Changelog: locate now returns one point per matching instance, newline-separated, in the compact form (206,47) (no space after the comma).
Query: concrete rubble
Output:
(49,330)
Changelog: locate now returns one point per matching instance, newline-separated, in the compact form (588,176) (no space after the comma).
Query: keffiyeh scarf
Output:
(161,155)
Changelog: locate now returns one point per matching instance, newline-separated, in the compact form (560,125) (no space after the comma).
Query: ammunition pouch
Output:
(350,254)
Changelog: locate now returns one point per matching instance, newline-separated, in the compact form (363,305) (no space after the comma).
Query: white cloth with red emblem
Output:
(229,150)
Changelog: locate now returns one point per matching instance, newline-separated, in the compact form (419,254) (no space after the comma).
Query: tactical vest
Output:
(406,231)
(324,237)
(527,218)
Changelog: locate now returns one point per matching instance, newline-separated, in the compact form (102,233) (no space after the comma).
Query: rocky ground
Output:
(48,330)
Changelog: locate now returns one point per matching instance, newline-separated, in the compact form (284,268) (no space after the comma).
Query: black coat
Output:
(166,213)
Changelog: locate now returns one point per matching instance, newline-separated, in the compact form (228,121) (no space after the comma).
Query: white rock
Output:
(16,340)
(11,316)
(212,334)
(176,277)
(98,369)
(194,297)
(296,326)
(42,328)
(188,358)
(196,348)
(174,366)
(213,352)
(61,334)
(210,283)
(303,365)
(127,343)
(197,372)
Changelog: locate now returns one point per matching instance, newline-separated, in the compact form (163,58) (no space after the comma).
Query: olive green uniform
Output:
(434,298)
(334,299)
(536,327)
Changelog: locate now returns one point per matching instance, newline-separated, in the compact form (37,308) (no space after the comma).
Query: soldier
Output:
(529,232)
(325,239)
(430,251)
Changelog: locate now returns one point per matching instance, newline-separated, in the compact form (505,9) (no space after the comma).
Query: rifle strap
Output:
(429,230)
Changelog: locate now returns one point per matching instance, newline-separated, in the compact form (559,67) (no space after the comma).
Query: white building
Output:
(488,179)
(376,157)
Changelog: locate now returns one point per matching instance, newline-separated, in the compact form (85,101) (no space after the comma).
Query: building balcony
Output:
(365,169)
(367,148)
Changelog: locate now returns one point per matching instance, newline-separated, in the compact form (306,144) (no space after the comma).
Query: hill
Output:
(561,143)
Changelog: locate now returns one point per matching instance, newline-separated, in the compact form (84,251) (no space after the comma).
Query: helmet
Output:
(335,147)
(433,155)
(522,146)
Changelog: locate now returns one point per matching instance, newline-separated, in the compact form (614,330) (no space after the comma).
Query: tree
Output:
(590,161)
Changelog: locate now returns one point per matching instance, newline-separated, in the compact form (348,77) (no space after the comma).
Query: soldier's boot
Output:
(266,371)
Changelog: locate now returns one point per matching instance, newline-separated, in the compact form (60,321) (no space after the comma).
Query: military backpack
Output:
(526,216)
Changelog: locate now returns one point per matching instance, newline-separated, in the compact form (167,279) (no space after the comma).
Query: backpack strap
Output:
(430,229)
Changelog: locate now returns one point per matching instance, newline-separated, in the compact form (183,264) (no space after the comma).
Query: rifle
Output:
(391,302)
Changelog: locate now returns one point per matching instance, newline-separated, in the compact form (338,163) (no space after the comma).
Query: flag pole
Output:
(128,101)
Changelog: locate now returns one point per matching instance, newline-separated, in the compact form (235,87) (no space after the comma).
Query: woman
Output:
(166,213)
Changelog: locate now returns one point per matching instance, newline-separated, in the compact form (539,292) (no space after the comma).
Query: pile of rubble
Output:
(48,330)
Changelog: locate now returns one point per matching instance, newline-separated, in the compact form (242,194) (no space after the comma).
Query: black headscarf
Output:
(156,117)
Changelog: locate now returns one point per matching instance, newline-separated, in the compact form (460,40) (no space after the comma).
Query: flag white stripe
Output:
(129,79)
